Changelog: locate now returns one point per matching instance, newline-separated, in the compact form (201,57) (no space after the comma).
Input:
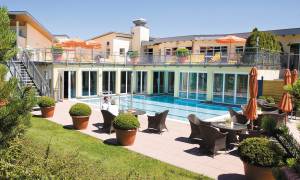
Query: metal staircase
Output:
(28,75)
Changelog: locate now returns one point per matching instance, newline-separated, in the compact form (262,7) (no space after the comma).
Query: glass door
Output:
(126,81)
(171,77)
(69,84)
(89,83)
(141,82)
(109,82)
(229,88)
(158,82)
(218,88)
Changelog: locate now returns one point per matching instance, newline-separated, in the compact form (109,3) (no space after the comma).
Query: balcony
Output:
(260,59)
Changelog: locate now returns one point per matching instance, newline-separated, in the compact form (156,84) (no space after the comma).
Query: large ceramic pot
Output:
(80,122)
(47,111)
(182,59)
(134,60)
(257,173)
(125,137)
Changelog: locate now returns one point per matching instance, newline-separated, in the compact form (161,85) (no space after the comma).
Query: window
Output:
(210,51)
(174,51)
(168,52)
(193,85)
(109,82)
(202,50)
(239,49)
(122,51)
(190,49)
(107,43)
(224,50)
(107,53)
(126,81)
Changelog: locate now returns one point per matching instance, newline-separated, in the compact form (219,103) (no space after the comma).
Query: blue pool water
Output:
(178,108)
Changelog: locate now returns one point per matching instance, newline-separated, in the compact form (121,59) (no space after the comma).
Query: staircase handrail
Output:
(37,78)
(15,72)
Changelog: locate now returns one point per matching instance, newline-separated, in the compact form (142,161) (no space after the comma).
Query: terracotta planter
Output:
(80,122)
(257,173)
(47,111)
(134,60)
(3,102)
(125,137)
(183,59)
(57,57)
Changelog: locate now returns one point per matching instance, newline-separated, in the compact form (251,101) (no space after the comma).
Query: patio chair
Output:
(238,117)
(279,118)
(195,123)
(108,118)
(212,140)
(158,122)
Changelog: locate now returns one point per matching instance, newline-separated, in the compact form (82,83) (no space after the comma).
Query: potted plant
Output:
(57,52)
(259,156)
(182,54)
(80,114)
(126,126)
(47,105)
(134,56)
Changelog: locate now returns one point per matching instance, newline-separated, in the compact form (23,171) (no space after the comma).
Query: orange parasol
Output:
(72,43)
(230,39)
(91,44)
(285,103)
(294,76)
(250,111)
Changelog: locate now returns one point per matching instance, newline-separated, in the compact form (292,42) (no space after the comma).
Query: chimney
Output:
(139,33)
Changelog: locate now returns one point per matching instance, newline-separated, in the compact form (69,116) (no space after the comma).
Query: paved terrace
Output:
(171,146)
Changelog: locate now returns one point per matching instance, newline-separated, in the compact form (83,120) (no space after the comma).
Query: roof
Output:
(118,34)
(27,17)
(61,35)
(279,32)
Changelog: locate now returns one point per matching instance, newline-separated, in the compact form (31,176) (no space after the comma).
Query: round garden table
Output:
(233,130)
(136,112)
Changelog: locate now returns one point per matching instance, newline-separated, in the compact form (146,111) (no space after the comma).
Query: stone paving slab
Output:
(171,146)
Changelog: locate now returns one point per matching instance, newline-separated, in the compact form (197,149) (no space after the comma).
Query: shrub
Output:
(182,52)
(270,99)
(57,50)
(261,152)
(269,125)
(46,101)
(133,54)
(80,109)
(126,121)
(298,126)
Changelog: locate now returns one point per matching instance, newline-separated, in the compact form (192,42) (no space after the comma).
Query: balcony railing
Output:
(262,59)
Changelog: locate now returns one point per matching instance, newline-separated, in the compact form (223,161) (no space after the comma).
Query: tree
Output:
(16,102)
(266,41)
(7,37)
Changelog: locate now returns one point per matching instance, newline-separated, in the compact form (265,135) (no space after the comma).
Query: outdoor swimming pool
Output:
(178,108)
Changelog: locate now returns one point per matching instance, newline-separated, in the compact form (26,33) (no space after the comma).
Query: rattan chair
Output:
(212,139)
(195,123)
(158,122)
(238,117)
(108,118)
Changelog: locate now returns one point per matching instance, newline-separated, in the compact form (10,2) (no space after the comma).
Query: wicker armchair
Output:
(237,117)
(195,123)
(108,118)
(158,122)
(279,118)
(213,139)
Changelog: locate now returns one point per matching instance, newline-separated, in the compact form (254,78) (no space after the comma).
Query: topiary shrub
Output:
(133,54)
(261,152)
(126,121)
(269,125)
(182,52)
(80,109)
(46,101)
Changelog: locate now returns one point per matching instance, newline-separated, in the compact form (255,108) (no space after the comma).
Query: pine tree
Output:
(7,37)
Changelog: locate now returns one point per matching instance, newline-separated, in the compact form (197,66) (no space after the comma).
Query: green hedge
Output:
(46,101)
(80,109)
(126,121)
(261,152)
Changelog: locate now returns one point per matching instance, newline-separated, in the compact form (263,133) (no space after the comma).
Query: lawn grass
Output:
(115,161)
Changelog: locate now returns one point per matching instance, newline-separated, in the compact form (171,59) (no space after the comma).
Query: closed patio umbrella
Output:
(294,76)
(285,104)
(250,111)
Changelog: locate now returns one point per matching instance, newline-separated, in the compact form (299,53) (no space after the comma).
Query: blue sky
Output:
(85,19)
